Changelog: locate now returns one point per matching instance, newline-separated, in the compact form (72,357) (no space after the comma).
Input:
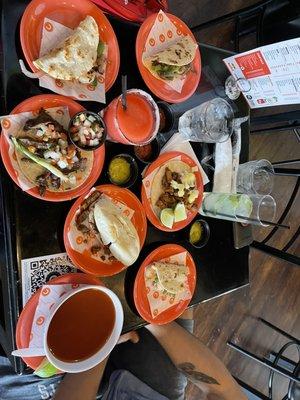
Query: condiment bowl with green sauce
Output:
(123,170)
(199,233)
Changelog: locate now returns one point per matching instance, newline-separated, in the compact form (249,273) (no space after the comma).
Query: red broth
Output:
(81,326)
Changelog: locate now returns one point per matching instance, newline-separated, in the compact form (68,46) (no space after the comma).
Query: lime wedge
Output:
(180,212)
(167,217)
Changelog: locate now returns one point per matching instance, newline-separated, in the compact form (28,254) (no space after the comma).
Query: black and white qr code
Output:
(45,270)
(41,270)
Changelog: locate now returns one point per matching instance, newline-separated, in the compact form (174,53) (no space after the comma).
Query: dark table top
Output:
(31,227)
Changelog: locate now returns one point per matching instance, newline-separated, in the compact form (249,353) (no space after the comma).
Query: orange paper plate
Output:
(139,220)
(69,13)
(158,87)
(153,218)
(140,293)
(25,320)
(48,101)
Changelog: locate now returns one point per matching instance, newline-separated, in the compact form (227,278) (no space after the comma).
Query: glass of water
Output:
(210,122)
(246,208)
(255,177)
(234,87)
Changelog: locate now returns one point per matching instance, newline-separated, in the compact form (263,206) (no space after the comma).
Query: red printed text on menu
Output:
(273,73)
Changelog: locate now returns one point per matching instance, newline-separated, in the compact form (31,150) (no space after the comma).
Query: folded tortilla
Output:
(32,170)
(174,61)
(172,277)
(157,188)
(117,231)
(73,58)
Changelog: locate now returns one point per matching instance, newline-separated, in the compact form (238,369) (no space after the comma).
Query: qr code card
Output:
(40,270)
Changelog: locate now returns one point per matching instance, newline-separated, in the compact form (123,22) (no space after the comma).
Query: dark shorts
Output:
(148,361)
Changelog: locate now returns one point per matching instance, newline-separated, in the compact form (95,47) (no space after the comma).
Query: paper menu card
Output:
(273,72)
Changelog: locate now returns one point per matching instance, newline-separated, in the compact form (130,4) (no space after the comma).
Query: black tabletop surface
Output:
(31,227)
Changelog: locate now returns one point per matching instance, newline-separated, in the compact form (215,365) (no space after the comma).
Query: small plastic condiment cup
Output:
(165,108)
(133,171)
(100,355)
(155,149)
(99,119)
(205,234)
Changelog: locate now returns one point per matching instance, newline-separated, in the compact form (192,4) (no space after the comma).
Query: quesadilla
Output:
(78,57)
(175,61)
(46,157)
(117,231)
(170,277)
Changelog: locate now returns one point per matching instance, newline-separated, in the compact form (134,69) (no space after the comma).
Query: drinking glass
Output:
(234,87)
(246,208)
(255,177)
(209,122)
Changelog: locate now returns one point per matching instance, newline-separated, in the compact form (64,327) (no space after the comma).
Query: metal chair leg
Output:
(276,253)
(287,171)
(261,361)
(275,328)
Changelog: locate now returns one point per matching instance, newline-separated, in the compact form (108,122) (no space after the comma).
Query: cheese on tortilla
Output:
(117,231)
(172,277)
(75,56)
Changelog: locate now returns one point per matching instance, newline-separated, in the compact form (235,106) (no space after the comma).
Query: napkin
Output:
(76,238)
(12,124)
(177,143)
(53,33)
(160,300)
(223,167)
(49,297)
(163,34)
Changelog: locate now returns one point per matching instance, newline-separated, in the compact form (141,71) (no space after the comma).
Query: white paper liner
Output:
(161,36)
(12,124)
(53,33)
(76,237)
(159,300)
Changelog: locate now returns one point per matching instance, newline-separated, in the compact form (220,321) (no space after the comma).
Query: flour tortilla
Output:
(117,232)
(157,189)
(172,277)
(179,54)
(73,58)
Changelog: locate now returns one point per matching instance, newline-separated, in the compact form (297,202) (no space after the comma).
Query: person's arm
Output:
(84,385)
(197,362)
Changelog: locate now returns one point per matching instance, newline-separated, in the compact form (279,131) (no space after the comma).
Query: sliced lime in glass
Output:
(245,206)
(180,212)
(167,217)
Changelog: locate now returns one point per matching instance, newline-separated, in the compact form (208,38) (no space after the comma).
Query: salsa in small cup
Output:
(123,170)
(87,130)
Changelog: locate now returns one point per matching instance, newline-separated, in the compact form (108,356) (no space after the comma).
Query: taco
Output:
(78,57)
(173,192)
(175,61)
(171,277)
(47,158)
(108,234)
